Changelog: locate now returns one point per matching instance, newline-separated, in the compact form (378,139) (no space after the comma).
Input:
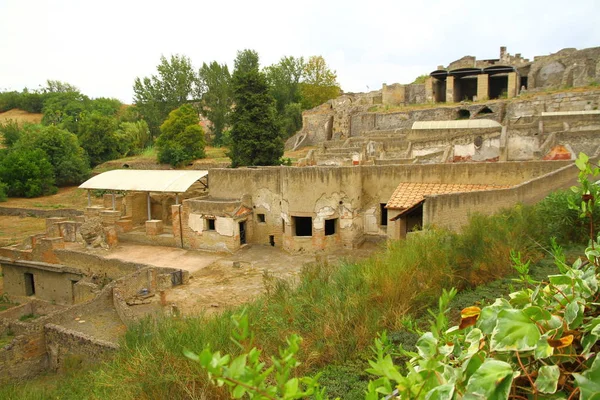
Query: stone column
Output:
(176,221)
(513,85)
(483,88)
(429,90)
(450,89)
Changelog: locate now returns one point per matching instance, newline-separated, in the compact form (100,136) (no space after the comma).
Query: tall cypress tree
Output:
(255,135)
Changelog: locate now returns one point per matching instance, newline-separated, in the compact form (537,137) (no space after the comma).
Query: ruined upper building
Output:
(471,79)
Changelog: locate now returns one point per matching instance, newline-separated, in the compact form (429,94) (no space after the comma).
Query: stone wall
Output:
(65,346)
(566,68)
(33,212)
(350,195)
(453,210)
(25,356)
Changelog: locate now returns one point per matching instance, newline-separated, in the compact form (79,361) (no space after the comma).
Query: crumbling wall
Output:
(25,356)
(68,348)
(566,68)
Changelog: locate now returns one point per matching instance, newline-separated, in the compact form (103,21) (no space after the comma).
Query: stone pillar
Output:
(450,89)
(429,90)
(513,85)
(176,221)
(483,88)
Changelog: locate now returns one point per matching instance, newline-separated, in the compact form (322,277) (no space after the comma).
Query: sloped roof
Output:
(407,195)
(171,181)
(457,124)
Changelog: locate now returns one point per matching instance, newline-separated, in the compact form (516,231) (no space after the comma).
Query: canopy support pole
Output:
(148,205)
(176,199)
(89,198)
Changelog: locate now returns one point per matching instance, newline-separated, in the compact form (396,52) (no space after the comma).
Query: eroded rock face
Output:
(92,233)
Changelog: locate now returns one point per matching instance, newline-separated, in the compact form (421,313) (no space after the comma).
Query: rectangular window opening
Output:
(261,218)
(303,226)
(330,226)
(29,284)
(383,212)
(210,224)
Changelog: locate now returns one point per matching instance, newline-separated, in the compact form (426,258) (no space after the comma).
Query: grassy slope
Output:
(338,310)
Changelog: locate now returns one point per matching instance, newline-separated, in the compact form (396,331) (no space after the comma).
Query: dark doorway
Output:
(384,215)
(303,226)
(272,240)
(243,232)
(29,284)
(414,219)
(465,88)
(330,226)
(498,86)
(439,90)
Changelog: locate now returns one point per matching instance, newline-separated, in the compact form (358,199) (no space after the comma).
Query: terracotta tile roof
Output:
(243,210)
(408,195)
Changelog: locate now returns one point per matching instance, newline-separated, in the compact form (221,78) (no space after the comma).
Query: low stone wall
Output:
(63,344)
(91,263)
(453,210)
(33,212)
(25,356)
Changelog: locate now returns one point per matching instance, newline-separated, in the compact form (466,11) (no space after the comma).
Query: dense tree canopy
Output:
(284,80)
(62,150)
(156,96)
(214,88)
(96,134)
(319,83)
(182,138)
(27,173)
(255,133)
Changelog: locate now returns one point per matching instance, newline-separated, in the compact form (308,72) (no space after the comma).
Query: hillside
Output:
(20,117)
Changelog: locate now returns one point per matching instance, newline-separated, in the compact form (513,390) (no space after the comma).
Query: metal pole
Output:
(176,199)
(89,199)
(148,204)
(113,200)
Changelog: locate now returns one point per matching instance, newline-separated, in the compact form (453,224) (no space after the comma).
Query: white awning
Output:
(567,113)
(457,124)
(170,181)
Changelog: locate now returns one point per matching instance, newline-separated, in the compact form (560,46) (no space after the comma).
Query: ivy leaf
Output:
(543,348)
(514,331)
(547,380)
(574,314)
(469,316)
(442,392)
(537,313)
(581,162)
(427,345)
(489,314)
(474,338)
(491,381)
(589,381)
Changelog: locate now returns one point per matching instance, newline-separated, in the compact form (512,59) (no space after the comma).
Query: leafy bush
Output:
(11,132)
(3,195)
(182,138)
(68,159)
(27,173)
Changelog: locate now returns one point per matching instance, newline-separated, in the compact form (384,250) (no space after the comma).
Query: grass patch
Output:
(337,309)
(29,317)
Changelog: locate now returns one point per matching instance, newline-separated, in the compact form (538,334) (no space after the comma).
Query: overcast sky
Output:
(102,46)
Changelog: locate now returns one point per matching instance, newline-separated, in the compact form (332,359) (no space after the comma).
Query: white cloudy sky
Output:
(101,46)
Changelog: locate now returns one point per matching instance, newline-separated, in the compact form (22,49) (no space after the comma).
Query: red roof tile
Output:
(408,195)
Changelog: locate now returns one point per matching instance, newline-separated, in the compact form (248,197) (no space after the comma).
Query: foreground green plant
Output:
(540,342)
(248,375)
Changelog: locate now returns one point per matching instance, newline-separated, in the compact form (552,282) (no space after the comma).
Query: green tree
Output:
(182,138)
(68,159)
(156,96)
(64,109)
(105,106)
(27,173)
(135,135)
(214,85)
(255,133)
(284,80)
(96,134)
(11,132)
(319,83)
